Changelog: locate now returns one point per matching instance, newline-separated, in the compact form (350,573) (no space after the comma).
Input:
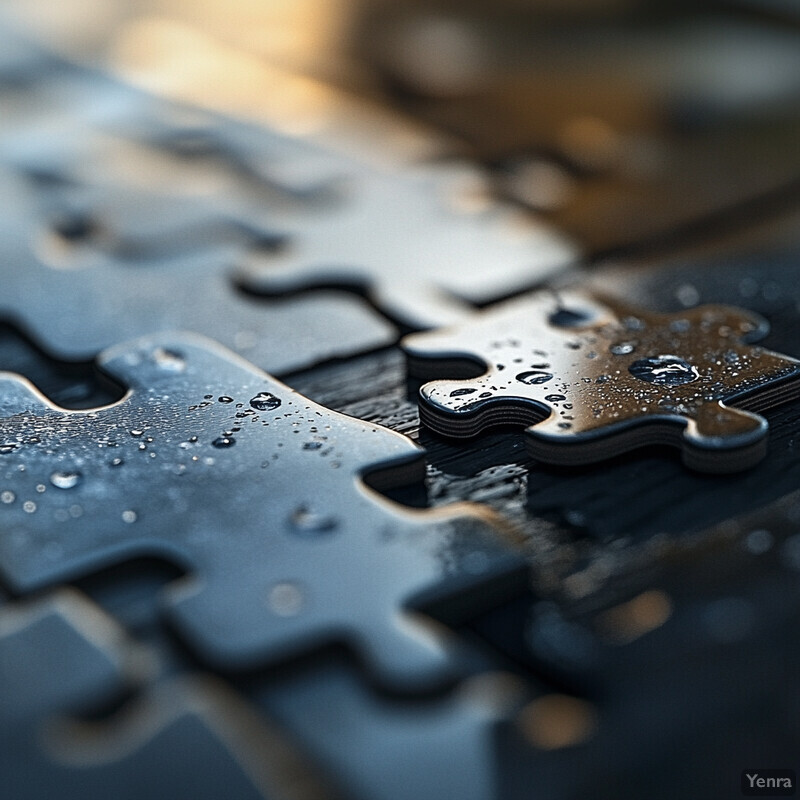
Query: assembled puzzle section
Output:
(45,271)
(594,378)
(60,655)
(258,494)
(425,245)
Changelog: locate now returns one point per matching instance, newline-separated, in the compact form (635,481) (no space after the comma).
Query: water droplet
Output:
(129,516)
(555,398)
(534,376)
(265,401)
(29,506)
(7,497)
(759,541)
(136,432)
(286,599)
(664,370)
(306,520)
(224,441)
(117,462)
(65,479)
(225,399)
(622,349)
(7,448)
(731,357)
(312,445)
(462,392)
(687,295)
(633,324)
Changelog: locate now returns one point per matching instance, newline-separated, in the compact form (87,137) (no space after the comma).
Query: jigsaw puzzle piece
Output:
(260,496)
(129,224)
(61,655)
(255,153)
(686,640)
(425,244)
(389,749)
(125,299)
(178,151)
(594,379)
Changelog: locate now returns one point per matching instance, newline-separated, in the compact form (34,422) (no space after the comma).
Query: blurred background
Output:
(624,122)
(639,132)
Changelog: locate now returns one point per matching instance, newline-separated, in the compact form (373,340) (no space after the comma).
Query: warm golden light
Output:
(556,721)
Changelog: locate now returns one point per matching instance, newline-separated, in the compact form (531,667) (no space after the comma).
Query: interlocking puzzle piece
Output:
(256,492)
(392,749)
(255,153)
(44,272)
(128,224)
(594,379)
(425,244)
(61,655)
(72,119)
(117,132)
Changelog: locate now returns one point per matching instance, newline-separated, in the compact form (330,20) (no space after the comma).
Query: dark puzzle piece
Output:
(380,748)
(44,272)
(256,493)
(62,655)
(425,243)
(595,379)
(698,669)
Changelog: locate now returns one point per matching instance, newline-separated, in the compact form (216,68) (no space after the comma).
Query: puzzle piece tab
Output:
(44,273)
(424,244)
(62,655)
(594,379)
(256,492)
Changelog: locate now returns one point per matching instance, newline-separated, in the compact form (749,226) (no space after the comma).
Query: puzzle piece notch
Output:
(426,244)
(230,487)
(124,300)
(60,655)
(607,380)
